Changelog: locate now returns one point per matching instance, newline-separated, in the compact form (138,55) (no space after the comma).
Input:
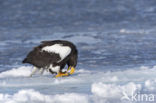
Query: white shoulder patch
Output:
(63,51)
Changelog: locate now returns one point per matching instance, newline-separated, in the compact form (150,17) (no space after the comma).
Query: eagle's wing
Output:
(41,58)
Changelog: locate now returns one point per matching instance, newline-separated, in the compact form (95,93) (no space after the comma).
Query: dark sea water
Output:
(112,36)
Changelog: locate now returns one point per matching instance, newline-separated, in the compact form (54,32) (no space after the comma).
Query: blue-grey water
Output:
(111,36)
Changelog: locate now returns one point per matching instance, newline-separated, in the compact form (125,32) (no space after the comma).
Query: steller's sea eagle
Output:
(53,56)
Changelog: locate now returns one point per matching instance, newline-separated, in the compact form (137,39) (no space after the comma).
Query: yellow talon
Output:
(61,74)
(72,70)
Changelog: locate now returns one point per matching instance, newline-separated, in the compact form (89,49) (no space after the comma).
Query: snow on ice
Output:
(105,87)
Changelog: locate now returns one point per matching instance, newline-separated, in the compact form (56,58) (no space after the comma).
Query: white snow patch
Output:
(32,96)
(63,51)
(105,86)
(71,98)
(83,71)
(66,80)
(150,85)
(19,77)
(113,79)
(113,90)
(140,74)
(23,71)
(16,72)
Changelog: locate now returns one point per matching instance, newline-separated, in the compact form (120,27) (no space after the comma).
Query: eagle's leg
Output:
(68,68)
(72,69)
(34,71)
(41,71)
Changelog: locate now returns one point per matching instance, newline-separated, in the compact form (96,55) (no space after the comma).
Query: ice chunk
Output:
(16,72)
(113,90)
(32,96)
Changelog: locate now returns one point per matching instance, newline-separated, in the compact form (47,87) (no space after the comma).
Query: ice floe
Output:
(32,96)
(114,90)
(16,72)
(90,85)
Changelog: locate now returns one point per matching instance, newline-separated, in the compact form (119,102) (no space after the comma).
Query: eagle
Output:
(53,56)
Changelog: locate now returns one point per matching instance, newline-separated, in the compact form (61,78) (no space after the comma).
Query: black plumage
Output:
(43,59)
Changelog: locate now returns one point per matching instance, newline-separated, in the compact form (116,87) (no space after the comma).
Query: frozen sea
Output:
(116,40)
